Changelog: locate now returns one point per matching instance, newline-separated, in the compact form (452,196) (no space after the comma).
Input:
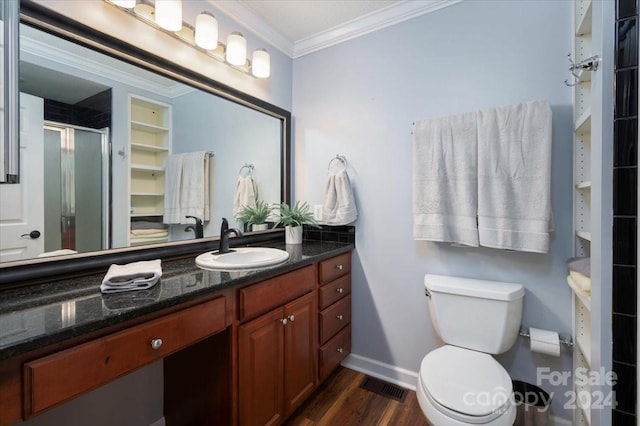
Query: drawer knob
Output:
(339,317)
(339,266)
(339,290)
(284,321)
(339,350)
(291,317)
(156,344)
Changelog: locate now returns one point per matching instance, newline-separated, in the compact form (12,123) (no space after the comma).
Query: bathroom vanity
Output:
(238,347)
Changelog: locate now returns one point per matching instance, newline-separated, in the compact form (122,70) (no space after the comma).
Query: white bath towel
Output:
(132,276)
(445,179)
(339,207)
(186,187)
(246,194)
(514,177)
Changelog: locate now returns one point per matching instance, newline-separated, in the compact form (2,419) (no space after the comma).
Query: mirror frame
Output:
(25,272)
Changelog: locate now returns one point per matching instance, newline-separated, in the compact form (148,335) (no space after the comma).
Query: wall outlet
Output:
(317,212)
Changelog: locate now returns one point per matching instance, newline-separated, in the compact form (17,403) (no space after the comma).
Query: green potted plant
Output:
(256,217)
(293,218)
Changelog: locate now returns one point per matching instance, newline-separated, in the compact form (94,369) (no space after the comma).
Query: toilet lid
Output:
(465,381)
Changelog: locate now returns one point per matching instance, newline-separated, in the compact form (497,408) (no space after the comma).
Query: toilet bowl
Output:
(457,386)
(461,383)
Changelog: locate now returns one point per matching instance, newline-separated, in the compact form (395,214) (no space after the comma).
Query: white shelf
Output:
(136,241)
(583,123)
(146,214)
(584,235)
(584,23)
(147,194)
(151,128)
(145,167)
(150,148)
(584,185)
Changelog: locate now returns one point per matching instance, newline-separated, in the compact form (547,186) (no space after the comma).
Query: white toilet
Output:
(460,383)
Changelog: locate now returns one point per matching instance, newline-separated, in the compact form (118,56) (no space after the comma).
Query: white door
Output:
(21,204)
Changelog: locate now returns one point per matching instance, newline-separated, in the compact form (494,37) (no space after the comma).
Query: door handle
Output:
(33,235)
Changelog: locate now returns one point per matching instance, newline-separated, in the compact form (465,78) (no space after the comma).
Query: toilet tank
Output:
(480,315)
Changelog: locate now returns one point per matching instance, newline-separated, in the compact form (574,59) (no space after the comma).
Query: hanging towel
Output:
(445,179)
(132,276)
(339,207)
(186,187)
(246,194)
(514,177)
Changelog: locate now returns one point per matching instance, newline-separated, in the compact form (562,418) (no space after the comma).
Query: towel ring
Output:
(248,166)
(341,158)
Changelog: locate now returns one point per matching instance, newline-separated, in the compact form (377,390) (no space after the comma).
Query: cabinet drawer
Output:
(333,268)
(63,375)
(334,318)
(331,354)
(263,297)
(334,291)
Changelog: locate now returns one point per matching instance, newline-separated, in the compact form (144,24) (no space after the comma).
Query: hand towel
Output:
(339,207)
(514,177)
(576,287)
(132,276)
(445,179)
(246,194)
(580,264)
(149,233)
(186,187)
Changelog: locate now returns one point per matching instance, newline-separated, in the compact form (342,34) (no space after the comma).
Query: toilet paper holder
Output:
(567,341)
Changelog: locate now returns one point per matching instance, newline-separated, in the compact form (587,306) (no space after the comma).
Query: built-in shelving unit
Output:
(582,203)
(149,143)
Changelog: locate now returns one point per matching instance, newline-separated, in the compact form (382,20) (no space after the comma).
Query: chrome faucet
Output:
(224,236)
(198,227)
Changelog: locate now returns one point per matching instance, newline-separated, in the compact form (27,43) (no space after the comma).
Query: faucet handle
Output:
(197,219)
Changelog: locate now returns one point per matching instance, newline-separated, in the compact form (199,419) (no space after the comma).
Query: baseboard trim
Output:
(396,375)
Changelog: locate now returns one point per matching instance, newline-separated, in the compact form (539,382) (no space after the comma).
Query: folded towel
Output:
(445,179)
(339,207)
(582,281)
(60,252)
(149,233)
(186,187)
(580,264)
(576,287)
(514,177)
(132,276)
(246,194)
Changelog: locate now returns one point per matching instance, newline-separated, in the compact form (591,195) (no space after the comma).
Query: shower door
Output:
(76,188)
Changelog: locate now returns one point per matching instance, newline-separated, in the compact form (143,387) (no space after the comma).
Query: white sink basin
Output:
(242,258)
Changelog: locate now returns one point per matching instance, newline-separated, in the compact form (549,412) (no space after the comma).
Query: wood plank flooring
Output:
(341,401)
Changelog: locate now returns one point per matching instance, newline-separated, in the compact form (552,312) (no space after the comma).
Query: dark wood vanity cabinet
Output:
(277,350)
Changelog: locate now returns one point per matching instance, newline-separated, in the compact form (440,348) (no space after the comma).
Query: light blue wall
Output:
(359,99)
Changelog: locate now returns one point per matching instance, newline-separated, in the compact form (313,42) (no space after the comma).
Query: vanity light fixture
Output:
(236,52)
(169,14)
(166,16)
(261,63)
(206,32)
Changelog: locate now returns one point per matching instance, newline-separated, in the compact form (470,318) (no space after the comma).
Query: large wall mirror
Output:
(106,141)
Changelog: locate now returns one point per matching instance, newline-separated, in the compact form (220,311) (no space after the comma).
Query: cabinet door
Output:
(261,361)
(299,363)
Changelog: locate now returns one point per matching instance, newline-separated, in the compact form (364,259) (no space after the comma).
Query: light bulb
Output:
(169,14)
(206,31)
(127,4)
(236,53)
(261,63)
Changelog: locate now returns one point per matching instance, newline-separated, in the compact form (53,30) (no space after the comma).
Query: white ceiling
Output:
(300,27)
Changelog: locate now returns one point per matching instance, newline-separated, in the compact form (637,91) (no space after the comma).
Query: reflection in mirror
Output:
(107,154)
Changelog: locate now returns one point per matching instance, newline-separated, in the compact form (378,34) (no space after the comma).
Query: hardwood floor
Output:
(341,401)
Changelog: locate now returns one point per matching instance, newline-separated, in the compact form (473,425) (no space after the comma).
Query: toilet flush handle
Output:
(426,293)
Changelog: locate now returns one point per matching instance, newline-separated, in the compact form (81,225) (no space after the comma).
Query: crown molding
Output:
(90,65)
(373,21)
(245,16)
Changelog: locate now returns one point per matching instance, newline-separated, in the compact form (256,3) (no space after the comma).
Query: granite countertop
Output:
(35,316)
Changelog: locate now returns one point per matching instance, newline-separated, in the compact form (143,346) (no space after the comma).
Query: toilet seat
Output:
(465,385)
